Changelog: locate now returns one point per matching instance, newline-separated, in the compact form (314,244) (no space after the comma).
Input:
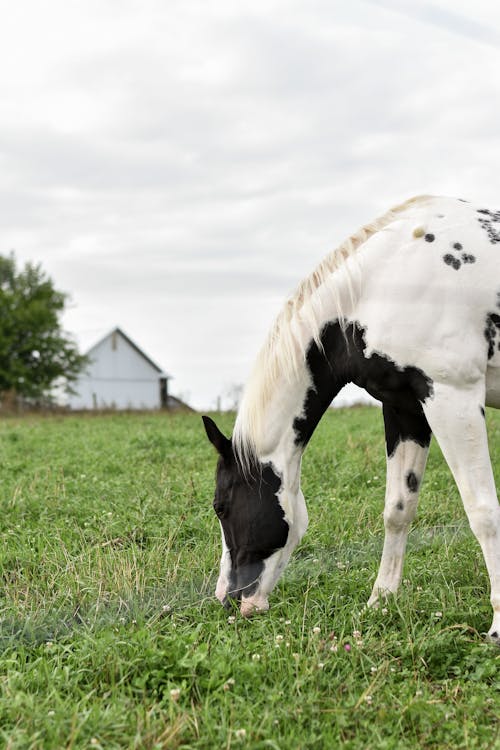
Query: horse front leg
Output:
(407,442)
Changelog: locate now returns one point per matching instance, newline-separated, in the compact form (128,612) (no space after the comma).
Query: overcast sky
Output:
(177,166)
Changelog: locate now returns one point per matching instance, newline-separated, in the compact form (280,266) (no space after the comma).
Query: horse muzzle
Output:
(253,605)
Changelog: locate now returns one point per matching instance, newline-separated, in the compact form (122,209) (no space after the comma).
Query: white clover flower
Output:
(334,648)
(356,634)
(175,694)
(373,670)
(231,619)
(316,630)
(438,614)
(241,734)
(369,699)
(321,665)
(384,610)
(255,657)
(279,638)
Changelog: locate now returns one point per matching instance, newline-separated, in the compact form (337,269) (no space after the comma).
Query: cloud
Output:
(447,19)
(178,167)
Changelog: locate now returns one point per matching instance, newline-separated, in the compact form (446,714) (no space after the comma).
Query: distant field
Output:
(111,638)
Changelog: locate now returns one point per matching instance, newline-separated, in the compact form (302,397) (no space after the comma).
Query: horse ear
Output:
(221,443)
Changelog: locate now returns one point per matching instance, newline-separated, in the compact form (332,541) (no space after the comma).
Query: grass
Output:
(110,636)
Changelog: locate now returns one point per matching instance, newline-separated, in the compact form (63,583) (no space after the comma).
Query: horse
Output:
(408,308)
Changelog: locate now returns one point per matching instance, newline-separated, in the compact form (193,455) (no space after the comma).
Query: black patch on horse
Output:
(340,359)
(405,424)
(252,519)
(490,332)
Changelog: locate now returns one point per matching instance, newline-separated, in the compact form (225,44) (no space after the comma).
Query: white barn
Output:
(120,376)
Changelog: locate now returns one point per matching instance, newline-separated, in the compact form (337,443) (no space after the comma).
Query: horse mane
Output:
(284,350)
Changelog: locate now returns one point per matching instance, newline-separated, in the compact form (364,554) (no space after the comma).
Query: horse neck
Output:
(289,415)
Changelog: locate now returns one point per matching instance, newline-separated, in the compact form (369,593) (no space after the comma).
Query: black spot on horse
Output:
(481,409)
(412,481)
(450,260)
(487,220)
(490,332)
(429,237)
(468,258)
(400,505)
(457,246)
(340,359)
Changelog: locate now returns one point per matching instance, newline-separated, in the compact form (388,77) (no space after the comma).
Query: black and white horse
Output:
(409,309)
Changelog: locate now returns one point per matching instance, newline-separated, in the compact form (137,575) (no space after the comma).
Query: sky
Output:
(177,166)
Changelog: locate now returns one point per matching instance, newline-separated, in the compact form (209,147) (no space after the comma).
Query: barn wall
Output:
(116,394)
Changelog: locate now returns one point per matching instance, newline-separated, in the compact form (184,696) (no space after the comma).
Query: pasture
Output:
(111,637)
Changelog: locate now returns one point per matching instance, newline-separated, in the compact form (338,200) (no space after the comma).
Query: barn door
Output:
(164,393)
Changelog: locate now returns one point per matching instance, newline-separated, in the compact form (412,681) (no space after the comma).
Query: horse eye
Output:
(219,508)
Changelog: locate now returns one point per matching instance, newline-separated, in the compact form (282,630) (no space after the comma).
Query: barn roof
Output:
(133,345)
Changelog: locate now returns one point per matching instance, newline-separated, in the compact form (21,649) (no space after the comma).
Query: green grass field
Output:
(111,636)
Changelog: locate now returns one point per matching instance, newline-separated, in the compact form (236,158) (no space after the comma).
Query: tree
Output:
(35,353)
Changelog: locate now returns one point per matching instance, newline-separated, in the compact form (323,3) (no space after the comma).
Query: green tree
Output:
(35,353)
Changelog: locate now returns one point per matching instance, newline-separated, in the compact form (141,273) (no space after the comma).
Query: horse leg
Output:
(456,417)
(407,440)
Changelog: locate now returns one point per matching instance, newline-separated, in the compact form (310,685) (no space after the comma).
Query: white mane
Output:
(284,352)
